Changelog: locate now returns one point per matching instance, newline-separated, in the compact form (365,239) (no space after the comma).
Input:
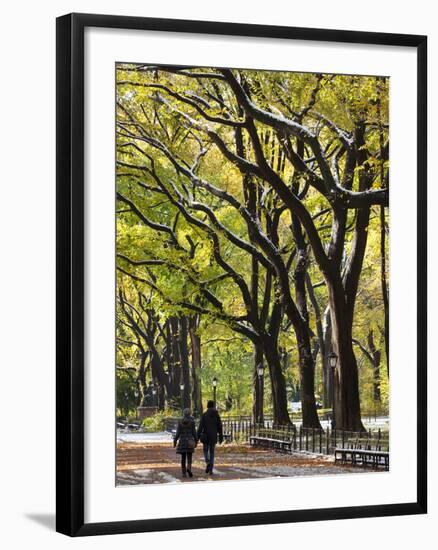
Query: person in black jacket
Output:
(209,433)
(186,438)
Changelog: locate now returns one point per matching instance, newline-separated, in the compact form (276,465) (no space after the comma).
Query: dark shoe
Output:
(184,473)
(207,469)
(189,472)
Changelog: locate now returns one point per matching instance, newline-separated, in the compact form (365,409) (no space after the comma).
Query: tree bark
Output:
(384,282)
(185,364)
(301,326)
(141,378)
(375,356)
(257,387)
(327,376)
(278,382)
(346,404)
(175,364)
(307,376)
(342,289)
(196,366)
(384,174)
(321,349)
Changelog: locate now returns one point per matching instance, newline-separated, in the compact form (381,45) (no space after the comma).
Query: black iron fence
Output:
(311,440)
(320,441)
(238,431)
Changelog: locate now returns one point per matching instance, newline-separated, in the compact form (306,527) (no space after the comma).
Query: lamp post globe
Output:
(333,358)
(181,387)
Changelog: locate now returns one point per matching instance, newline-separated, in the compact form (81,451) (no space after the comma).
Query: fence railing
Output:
(296,417)
(320,441)
(311,440)
(238,431)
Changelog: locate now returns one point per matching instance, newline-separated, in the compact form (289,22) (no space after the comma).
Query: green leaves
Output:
(193,251)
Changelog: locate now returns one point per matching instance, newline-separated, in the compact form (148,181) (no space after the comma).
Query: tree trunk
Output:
(257,385)
(384,174)
(185,365)
(278,383)
(307,378)
(141,379)
(346,405)
(327,375)
(161,397)
(342,297)
(384,283)
(196,366)
(302,331)
(158,376)
(175,364)
(324,340)
(375,355)
(167,395)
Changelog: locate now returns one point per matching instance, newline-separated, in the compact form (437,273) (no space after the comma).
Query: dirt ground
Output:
(144,463)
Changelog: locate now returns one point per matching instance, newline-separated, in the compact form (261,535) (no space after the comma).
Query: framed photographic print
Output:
(241,274)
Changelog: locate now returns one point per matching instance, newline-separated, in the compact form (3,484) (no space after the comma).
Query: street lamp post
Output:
(289,396)
(260,372)
(333,359)
(136,396)
(154,393)
(214,382)
(163,393)
(181,387)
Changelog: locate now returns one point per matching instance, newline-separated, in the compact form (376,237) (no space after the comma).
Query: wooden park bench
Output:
(361,451)
(377,456)
(347,452)
(133,426)
(272,439)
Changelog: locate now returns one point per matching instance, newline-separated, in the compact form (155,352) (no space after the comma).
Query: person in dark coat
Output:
(186,439)
(209,433)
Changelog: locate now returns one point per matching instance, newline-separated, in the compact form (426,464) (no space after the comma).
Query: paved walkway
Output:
(144,462)
(143,437)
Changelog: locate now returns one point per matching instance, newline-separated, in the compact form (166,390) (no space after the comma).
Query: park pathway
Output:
(153,460)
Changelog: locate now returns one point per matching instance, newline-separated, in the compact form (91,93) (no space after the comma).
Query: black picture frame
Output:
(70,273)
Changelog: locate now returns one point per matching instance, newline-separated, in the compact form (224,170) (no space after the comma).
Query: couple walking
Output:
(186,438)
